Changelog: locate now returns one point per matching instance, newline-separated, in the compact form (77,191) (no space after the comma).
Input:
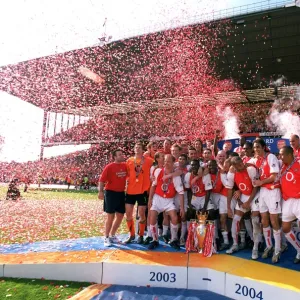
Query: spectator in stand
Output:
(86,182)
(68,181)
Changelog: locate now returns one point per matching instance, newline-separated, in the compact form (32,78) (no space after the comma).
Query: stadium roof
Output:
(248,96)
(263,46)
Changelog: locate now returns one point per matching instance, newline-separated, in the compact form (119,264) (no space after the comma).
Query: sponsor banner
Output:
(274,144)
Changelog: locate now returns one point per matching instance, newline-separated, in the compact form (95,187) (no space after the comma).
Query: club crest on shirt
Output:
(273,165)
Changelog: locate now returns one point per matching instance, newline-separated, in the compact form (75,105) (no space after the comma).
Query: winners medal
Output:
(138,168)
(165,188)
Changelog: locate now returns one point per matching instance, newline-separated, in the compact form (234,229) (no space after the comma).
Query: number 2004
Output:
(245,291)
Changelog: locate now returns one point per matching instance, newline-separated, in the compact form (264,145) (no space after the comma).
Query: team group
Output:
(250,186)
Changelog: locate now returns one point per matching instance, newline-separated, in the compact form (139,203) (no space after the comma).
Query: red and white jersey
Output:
(267,166)
(184,172)
(217,184)
(152,170)
(242,179)
(202,185)
(246,159)
(297,152)
(238,149)
(290,181)
(174,185)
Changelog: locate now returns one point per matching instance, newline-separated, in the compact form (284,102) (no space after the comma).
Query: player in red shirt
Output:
(200,188)
(113,178)
(295,143)
(219,196)
(167,146)
(184,148)
(290,187)
(161,199)
(270,196)
(175,151)
(151,150)
(207,156)
(199,148)
(182,165)
(248,149)
(192,154)
(158,164)
(243,177)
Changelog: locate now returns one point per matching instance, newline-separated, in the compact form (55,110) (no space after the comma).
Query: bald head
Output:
(221,156)
(169,162)
(170,157)
(294,141)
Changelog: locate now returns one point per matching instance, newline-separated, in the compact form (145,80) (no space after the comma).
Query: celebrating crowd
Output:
(250,187)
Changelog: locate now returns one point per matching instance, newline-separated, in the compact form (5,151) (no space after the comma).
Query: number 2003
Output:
(166,277)
(245,291)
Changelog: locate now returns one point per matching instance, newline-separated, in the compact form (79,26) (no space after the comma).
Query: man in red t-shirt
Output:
(290,187)
(113,178)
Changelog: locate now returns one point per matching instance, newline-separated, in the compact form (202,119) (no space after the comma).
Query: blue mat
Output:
(286,258)
(117,292)
(97,243)
(84,244)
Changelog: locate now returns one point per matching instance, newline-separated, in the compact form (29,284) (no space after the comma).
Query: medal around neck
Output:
(165,189)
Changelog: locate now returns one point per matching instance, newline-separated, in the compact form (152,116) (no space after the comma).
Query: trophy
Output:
(209,247)
(201,230)
(191,242)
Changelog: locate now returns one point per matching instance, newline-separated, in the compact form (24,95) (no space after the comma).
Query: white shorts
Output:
(254,204)
(270,201)
(223,204)
(198,203)
(290,210)
(161,204)
(177,202)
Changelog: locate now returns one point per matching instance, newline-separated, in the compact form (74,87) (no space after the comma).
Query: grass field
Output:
(47,215)
(29,289)
(51,215)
